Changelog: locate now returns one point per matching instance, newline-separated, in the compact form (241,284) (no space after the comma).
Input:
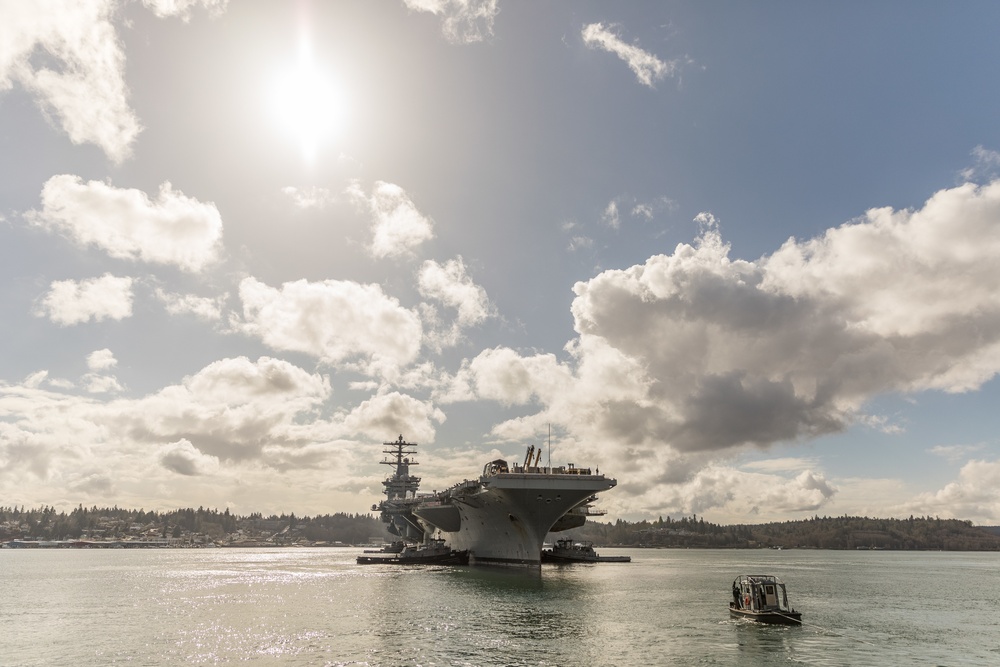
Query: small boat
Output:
(762,598)
(433,552)
(568,551)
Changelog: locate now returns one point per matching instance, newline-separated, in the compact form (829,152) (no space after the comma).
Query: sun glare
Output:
(307,105)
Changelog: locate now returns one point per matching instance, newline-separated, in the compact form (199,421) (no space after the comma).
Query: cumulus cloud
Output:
(204,308)
(125,223)
(696,353)
(733,494)
(233,409)
(184,458)
(503,375)
(450,285)
(101,360)
(975,495)
(394,412)
(236,420)
(647,67)
(70,302)
(99,380)
(335,321)
(464,21)
(96,383)
(81,84)
(397,226)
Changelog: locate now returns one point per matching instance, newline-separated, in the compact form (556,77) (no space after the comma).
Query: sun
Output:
(307,104)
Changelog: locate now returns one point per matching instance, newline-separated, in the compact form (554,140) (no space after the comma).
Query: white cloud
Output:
(82,84)
(101,360)
(70,302)
(309,197)
(174,229)
(698,353)
(503,375)
(98,381)
(236,420)
(397,226)
(335,321)
(464,21)
(975,496)
(184,458)
(393,412)
(232,409)
(183,9)
(204,308)
(647,67)
(451,285)
(733,496)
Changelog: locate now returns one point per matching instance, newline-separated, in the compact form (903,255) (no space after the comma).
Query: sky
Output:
(741,257)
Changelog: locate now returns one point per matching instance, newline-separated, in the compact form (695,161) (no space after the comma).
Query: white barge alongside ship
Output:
(501,518)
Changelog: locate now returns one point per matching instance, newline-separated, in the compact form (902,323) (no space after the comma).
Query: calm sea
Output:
(316,607)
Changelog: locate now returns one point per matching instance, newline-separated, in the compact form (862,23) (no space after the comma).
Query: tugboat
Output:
(762,598)
(433,552)
(568,551)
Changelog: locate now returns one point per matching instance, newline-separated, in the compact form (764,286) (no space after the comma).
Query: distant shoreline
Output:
(138,544)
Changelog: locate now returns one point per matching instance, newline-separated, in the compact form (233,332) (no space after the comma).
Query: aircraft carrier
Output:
(501,518)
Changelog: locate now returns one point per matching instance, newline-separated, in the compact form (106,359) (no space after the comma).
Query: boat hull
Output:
(768,617)
(549,557)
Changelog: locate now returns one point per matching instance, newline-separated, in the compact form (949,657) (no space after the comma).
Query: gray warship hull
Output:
(501,518)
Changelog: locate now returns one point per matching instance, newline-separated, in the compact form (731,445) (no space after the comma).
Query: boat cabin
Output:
(762,597)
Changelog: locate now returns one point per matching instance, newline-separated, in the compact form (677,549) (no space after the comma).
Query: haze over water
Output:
(317,607)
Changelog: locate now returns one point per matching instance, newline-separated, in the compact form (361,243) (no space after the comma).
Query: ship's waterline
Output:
(501,518)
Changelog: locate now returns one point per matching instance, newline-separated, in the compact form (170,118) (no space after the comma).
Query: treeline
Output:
(917,533)
(46,523)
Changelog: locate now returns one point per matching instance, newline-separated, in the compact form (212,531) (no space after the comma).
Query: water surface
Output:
(317,607)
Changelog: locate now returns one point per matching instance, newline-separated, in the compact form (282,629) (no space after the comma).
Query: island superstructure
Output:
(500,518)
